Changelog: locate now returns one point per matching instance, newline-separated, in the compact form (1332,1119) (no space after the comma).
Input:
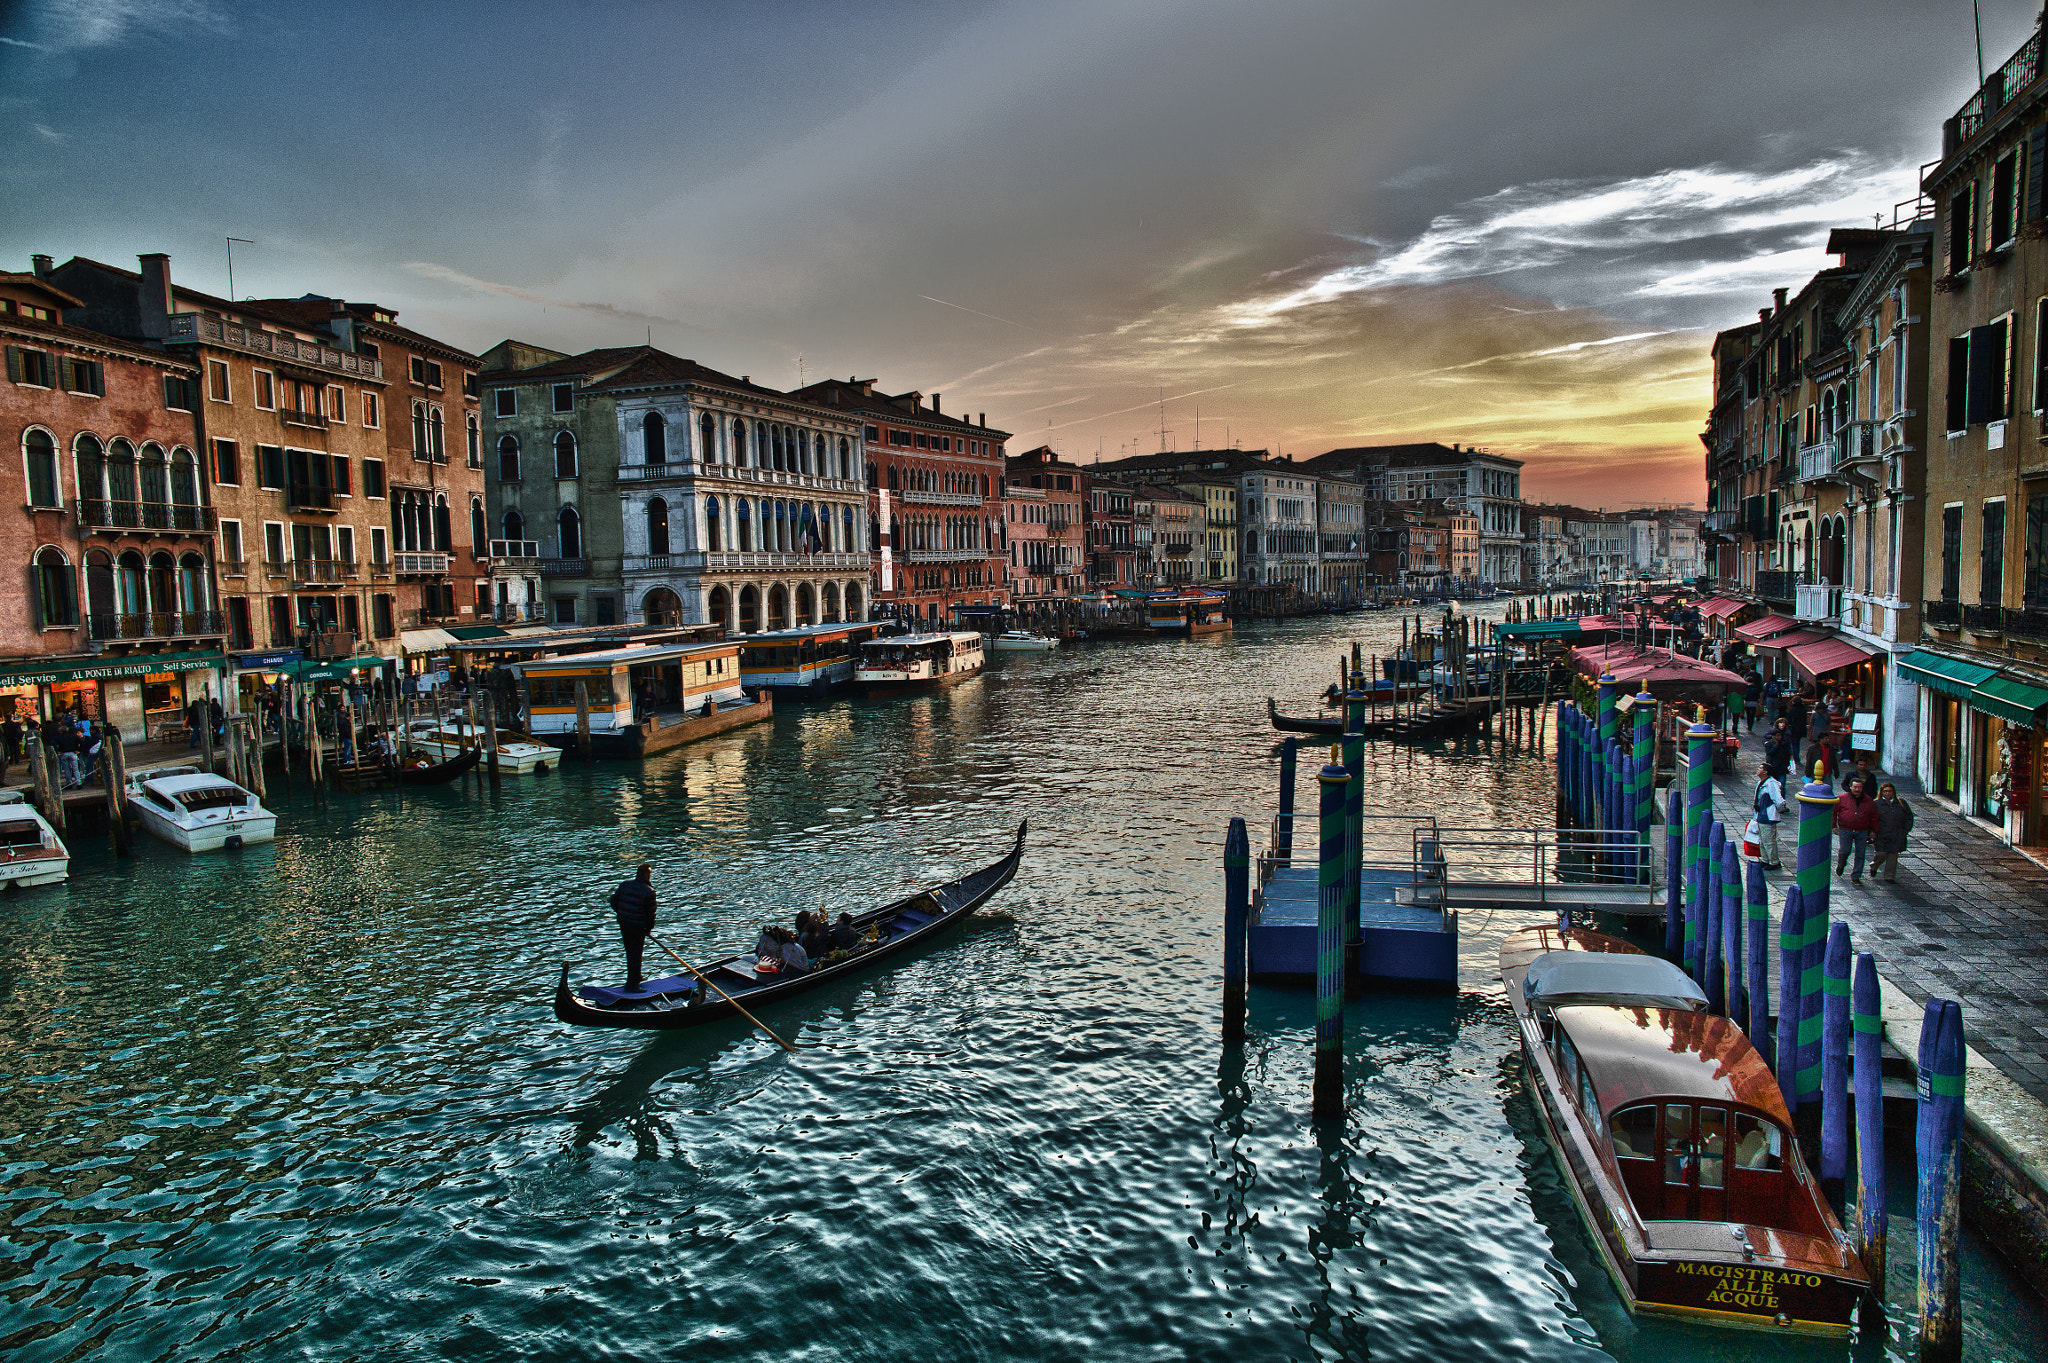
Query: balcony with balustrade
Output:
(1818,603)
(117,628)
(701,561)
(189,328)
(1999,89)
(733,477)
(515,554)
(422,564)
(1819,462)
(144,518)
(314,572)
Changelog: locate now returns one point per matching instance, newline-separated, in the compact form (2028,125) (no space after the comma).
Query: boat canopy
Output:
(1562,979)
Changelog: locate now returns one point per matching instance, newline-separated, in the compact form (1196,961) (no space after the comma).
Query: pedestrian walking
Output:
(195,721)
(1894,822)
(11,737)
(1769,804)
(1773,692)
(1855,821)
(1778,745)
(1752,698)
(633,902)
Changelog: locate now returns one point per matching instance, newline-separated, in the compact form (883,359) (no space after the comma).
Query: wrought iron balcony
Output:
(1943,614)
(565,567)
(421,565)
(1985,619)
(312,570)
(156,625)
(309,419)
(310,496)
(2001,86)
(149,517)
(327,643)
(1776,585)
(2031,623)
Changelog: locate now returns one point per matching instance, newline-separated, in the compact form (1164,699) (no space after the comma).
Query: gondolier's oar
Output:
(721,993)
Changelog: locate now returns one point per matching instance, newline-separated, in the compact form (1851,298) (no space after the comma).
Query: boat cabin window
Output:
(1635,1132)
(1758,1144)
(1677,1142)
(20,834)
(1713,1133)
(210,797)
(544,692)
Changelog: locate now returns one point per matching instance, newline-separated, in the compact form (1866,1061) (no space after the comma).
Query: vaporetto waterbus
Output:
(807,661)
(917,662)
(641,699)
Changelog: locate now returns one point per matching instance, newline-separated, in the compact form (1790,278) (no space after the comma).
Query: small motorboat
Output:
(1023,641)
(516,756)
(683,1001)
(198,812)
(1674,1141)
(31,853)
(421,770)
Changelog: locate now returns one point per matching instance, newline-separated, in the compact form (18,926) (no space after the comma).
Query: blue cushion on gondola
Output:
(605,997)
(919,918)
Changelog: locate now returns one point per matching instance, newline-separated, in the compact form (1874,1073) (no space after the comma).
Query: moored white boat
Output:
(31,853)
(189,809)
(516,756)
(1023,641)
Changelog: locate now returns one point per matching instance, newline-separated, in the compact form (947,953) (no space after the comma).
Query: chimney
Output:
(154,295)
(1778,299)
(935,403)
(867,388)
(984,419)
(1763,314)
(43,266)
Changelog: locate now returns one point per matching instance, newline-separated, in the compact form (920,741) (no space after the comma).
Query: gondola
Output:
(1333,726)
(682,1001)
(433,773)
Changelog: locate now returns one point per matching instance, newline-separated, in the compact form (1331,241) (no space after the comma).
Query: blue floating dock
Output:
(1401,943)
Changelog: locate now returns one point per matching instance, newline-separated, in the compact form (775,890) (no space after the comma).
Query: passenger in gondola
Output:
(816,937)
(795,960)
(769,944)
(845,936)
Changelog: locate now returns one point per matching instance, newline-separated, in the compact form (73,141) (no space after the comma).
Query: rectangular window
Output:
(337,402)
(418,370)
(85,376)
(181,392)
(469,385)
(380,545)
(351,614)
(345,543)
(380,616)
(2040,353)
(269,466)
(565,401)
(506,401)
(372,415)
(2003,216)
(1991,584)
(1989,372)
(1962,228)
(273,542)
(217,388)
(871,433)
(231,544)
(266,389)
(373,477)
(32,367)
(433,374)
(227,463)
(565,613)
(604,610)
(1951,553)
(342,483)
(2036,585)
(1958,383)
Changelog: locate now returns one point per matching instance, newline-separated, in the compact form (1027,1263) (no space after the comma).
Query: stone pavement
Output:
(1967,920)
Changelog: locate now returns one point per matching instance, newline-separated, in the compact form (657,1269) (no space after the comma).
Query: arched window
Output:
(515,526)
(479,529)
(761,449)
(845,458)
(92,470)
(184,480)
(711,536)
(121,472)
(846,541)
(163,587)
(657,526)
(654,437)
(444,533)
(193,597)
(419,430)
(744,535)
(508,459)
(39,453)
(56,588)
(100,603)
(156,482)
(565,456)
(131,585)
(894,484)
(739,443)
(473,437)
(571,532)
(775,446)
(707,439)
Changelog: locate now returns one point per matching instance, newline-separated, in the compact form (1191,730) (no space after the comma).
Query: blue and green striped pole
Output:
(1730,945)
(1354,830)
(1939,1210)
(1645,716)
(1674,871)
(1791,945)
(1237,863)
(1710,919)
(1699,796)
(1609,689)
(1834,1067)
(1816,835)
(1758,893)
(1330,901)
(1872,1221)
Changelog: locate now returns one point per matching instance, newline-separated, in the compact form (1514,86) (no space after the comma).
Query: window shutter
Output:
(1987,368)
(1958,383)
(2037,164)
(14,364)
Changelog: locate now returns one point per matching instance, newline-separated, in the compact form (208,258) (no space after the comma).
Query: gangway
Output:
(1535,868)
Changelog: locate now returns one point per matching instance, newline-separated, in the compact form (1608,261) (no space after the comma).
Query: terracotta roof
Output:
(856,395)
(1424,455)
(312,313)
(645,367)
(575,366)
(36,281)
(177,289)
(64,331)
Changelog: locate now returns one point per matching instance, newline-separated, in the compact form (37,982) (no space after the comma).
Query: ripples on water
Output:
(310,1100)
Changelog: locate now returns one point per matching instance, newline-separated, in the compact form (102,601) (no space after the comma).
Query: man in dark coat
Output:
(633,902)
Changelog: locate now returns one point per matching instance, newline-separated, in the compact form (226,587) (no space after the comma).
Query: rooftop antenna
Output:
(1977,22)
(1198,425)
(1162,421)
(247,242)
(800,371)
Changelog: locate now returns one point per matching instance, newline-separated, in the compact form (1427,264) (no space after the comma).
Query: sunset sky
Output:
(1322,224)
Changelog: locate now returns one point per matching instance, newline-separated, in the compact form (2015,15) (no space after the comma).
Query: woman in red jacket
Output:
(1855,821)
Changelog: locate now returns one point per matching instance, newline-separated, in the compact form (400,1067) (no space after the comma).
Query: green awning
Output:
(468,632)
(1539,629)
(106,669)
(2011,699)
(1950,676)
(334,669)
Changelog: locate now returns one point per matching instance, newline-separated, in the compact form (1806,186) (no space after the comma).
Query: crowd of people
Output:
(1870,820)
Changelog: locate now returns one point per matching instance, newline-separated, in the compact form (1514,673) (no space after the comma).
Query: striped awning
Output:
(1720,607)
(1950,676)
(1816,660)
(1756,631)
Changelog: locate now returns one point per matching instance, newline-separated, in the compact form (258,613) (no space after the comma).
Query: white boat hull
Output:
(208,837)
(28,872)
(510,763)
(1024,645)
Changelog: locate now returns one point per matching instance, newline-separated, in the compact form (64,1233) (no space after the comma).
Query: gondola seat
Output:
(606,997)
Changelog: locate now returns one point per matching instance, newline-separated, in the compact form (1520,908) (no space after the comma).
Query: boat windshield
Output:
(211,797)
(20,833)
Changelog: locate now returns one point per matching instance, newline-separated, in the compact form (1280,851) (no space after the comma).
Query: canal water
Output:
(309,1100)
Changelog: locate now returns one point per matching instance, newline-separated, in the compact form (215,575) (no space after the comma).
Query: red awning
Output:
(1756,631)
(1794,638)
(1719,607)
(1828,655)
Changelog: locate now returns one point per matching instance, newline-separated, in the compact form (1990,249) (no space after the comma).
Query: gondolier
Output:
(633,902)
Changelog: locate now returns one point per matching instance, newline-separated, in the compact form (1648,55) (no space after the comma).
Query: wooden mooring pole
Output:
(1791,936)
(583,720)
(114,772)
(1237,860)
(1284,835)
(490,722)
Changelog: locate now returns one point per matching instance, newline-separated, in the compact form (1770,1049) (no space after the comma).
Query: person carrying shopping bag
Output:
(1894,822)
(1770,804)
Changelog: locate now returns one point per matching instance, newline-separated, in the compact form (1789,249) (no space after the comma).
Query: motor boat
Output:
(197,812)
(31,853)
(516,756)
(1023,641)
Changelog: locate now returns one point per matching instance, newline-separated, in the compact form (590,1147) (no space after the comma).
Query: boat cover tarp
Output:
(1562,979)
